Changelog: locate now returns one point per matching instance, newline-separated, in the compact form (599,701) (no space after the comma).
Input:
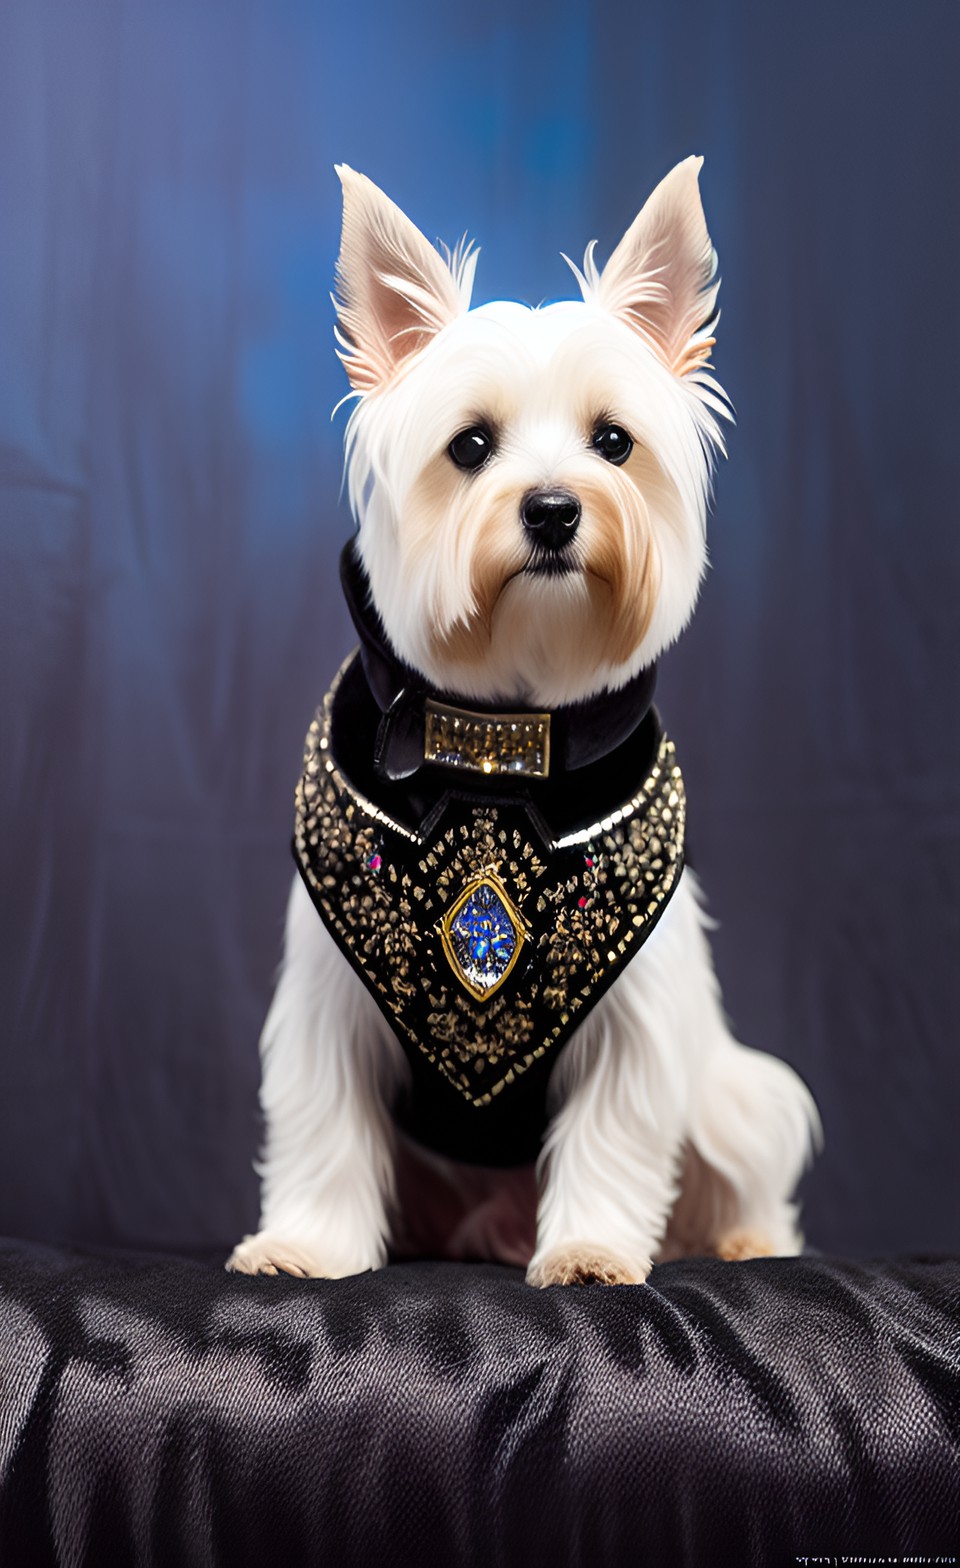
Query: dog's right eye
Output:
(471,448)
(612,442)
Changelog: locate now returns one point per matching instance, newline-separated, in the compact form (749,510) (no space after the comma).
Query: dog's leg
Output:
(751,1123)
(330,1068)
(753,1126)
(612,1153)
(655,1090)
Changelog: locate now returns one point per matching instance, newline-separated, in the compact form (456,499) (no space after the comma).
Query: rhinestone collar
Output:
(421,727)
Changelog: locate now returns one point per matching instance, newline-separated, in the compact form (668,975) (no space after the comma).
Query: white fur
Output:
(666,1135)
(331,1066)
(652,1075)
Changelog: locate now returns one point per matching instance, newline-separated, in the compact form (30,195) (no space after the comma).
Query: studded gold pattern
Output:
(585,906)
(488,742)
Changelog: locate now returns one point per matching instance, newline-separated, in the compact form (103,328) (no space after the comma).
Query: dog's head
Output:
(531,485)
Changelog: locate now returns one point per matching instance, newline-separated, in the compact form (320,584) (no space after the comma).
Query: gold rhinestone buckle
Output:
(488,742)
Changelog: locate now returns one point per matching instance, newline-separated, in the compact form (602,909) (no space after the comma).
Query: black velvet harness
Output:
(486,913)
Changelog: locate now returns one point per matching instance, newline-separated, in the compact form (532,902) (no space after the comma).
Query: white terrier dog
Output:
(492,940)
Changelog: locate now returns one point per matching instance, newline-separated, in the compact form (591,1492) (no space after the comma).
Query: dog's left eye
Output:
(612,442)
(471,448)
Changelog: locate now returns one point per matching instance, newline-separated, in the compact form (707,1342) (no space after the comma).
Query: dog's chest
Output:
(484,939)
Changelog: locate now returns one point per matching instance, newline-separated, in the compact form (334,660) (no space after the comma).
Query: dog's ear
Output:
(661,279)
(394,292)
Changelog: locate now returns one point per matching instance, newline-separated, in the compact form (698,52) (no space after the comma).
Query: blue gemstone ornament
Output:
(482,936)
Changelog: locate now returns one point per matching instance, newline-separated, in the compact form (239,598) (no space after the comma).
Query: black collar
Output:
(580,733)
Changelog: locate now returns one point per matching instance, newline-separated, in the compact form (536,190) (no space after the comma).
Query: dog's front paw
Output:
(582,1263)
(736,1246)
(269,1254)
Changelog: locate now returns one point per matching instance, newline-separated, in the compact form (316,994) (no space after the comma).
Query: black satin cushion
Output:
(159,1411)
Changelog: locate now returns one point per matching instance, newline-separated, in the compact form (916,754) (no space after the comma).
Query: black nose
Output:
(551,517)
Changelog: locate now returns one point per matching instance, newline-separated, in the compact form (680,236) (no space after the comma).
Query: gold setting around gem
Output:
(491,880)
(487,742)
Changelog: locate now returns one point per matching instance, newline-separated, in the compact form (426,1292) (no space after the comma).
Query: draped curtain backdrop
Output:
(170,530)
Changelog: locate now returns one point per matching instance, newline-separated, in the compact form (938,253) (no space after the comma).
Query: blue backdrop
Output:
(170,530)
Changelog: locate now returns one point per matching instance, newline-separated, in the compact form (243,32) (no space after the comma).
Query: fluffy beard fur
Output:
(667,1136)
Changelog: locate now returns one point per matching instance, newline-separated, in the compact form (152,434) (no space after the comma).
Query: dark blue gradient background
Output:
(170,526)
